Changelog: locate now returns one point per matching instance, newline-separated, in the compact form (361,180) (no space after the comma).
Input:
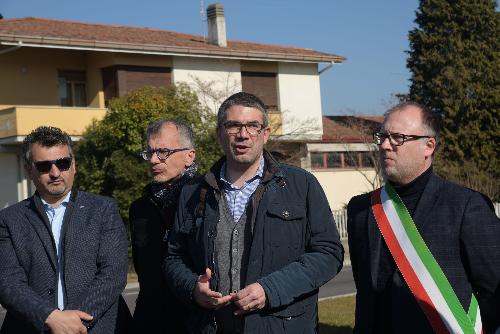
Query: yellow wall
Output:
(29,75)
(20,121)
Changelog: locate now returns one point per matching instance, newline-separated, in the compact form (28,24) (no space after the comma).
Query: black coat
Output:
(295,248)
(95,264)
(462,232)
(157,310)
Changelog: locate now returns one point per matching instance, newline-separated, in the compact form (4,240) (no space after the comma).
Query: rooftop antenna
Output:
(203,16)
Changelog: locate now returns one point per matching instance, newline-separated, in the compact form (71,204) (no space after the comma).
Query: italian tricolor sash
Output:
(420,269)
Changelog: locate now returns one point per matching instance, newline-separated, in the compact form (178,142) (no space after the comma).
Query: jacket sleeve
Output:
(353,254)
(480,237)
(15,293)
(320,262)
(178,268)
(112,266)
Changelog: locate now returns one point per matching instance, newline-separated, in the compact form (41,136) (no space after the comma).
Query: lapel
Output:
(71,227)
(38,218)
(374,244)
(427,202)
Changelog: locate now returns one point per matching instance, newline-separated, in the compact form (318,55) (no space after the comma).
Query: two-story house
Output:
(62,73)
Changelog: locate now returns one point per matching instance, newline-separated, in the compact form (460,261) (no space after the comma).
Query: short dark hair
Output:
(186,138)
(242,99)
(46,136)
(430,119)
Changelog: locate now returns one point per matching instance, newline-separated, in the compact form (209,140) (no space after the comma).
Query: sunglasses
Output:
(63,164)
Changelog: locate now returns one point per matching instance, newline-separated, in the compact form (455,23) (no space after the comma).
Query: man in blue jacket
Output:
(253,239)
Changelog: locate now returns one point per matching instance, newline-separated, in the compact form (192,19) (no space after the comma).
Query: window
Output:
(347,160)
(263,85)
(72,89)
(119,80)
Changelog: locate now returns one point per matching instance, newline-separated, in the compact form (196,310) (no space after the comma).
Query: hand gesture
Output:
(206,297)
(67,322)
(251,298)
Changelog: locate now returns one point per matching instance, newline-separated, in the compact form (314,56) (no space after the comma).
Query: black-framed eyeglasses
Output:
(44,166)
(233,128)
(161,153)
(396,139)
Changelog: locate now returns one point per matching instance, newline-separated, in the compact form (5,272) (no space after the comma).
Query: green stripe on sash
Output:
(465,322)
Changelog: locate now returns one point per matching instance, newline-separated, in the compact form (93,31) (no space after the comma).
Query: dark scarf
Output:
(166,195)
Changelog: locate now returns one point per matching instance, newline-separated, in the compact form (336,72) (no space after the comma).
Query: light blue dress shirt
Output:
(56,216)
(237,198)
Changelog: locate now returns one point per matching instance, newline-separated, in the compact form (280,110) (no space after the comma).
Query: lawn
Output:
(336,316)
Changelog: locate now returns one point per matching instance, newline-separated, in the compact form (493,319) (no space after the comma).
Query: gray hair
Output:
(242,99)
(46,136)
(186,138)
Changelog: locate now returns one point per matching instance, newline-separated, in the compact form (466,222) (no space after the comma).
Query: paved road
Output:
(342,284)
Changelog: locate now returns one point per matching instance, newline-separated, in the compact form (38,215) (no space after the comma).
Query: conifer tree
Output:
(454,60)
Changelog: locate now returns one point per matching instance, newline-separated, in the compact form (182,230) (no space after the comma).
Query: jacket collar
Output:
(271,170)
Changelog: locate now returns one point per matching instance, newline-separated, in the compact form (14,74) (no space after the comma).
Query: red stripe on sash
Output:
(404,266)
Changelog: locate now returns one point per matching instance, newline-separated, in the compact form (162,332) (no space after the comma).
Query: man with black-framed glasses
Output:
(254,239)
(170,155)
(424,251)
(63,252)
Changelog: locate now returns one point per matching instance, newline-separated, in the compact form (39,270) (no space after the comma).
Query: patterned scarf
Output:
(167,194)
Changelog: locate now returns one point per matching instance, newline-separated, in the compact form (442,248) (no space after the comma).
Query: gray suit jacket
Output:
(95,263)
(463,234)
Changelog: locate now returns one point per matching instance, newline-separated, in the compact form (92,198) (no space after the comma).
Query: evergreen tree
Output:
(454,59)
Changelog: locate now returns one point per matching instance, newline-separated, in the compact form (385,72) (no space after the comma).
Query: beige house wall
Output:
(341,185)
(300,100)
(212,79)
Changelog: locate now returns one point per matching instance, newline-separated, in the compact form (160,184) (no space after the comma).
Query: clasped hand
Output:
(67,322)
(251,298)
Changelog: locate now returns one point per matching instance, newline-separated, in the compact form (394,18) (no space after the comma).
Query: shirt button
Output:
(285,214)
(235,232)
(51,291)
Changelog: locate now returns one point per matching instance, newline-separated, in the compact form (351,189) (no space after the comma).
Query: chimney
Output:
(216,25)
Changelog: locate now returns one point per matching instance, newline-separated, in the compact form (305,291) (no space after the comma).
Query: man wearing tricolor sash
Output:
(425,252)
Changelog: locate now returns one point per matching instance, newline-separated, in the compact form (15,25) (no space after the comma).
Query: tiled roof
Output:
(66,34)
(351,129)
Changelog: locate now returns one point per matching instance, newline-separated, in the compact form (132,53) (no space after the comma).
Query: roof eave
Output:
(106,46)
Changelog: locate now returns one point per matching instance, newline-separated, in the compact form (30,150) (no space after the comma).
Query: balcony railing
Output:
(18,121)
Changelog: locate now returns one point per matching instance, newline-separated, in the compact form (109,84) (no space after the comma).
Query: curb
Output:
(338,296)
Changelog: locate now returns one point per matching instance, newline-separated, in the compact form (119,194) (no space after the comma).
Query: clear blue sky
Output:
(371,34)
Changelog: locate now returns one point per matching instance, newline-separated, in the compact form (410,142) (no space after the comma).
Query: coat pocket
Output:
(286,227)
(299,317)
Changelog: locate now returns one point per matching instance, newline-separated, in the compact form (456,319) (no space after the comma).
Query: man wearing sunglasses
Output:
(63,252)
(425,252)
(253,239)
(170,155)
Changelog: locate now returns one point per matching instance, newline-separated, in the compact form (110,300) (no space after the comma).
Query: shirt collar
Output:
(259,173)
(64,202)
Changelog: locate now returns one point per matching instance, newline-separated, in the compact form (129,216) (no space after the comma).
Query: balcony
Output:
(18,121)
